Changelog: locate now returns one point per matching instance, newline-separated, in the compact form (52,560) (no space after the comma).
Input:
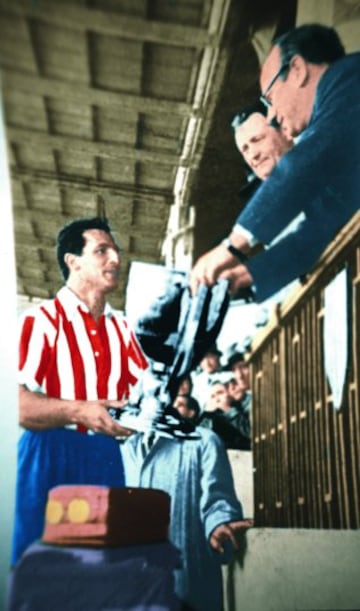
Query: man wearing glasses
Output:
(312,89)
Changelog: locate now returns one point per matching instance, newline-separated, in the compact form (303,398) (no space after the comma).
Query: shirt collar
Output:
(71,303)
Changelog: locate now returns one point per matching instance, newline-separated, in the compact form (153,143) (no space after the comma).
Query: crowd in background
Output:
(217,396)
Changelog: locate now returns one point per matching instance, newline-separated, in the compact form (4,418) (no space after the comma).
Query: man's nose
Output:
(114,255)
(254,154)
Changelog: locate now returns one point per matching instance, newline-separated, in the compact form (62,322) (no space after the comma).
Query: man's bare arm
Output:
(39,412)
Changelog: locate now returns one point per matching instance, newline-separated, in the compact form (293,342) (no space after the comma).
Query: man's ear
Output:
(71,261)
(300,70)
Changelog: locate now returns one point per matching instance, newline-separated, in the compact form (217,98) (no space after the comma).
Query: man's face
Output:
(98,265)
(210,362)
(237,389)
(241,373)
(260,144)
(289,99)
(181,404)
(219,396)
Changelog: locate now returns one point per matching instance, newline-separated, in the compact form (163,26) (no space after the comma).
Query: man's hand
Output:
(229,531)
(208,268)
(238,277)
(95,416)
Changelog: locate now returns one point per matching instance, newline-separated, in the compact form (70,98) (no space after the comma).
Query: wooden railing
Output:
(306,449)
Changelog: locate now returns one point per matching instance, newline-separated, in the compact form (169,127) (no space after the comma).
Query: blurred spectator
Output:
(187,407)
(206,373)
(239,387)
(185,385)
(228,418)
(240,368)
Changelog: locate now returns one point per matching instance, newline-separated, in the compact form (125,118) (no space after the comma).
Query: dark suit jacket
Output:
(319,177)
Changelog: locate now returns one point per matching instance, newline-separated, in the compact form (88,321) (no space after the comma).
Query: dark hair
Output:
(315,43)
(240,117)
(213,349)
(71,238)
(237,357)
(217,381)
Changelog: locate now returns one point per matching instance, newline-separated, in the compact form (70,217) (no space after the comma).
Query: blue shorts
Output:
(51,458)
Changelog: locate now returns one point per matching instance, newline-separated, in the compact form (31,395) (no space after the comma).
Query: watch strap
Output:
(236,252)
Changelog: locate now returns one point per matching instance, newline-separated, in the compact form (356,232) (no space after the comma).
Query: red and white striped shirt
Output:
(66,354)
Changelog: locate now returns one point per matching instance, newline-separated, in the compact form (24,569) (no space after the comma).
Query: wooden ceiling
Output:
(106,101)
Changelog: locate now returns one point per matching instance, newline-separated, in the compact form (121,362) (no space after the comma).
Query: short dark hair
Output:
(71,238)
(213,349)
(315,43)
(240,117)
(237,357)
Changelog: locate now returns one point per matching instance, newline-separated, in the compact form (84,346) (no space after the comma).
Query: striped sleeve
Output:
(37,332)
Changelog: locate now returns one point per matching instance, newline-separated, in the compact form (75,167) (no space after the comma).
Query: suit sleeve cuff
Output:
(245,233)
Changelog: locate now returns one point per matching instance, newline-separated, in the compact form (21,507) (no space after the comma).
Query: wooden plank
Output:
(112,24)
(353,395)
(314,416)
(19,136)
(112,190)
(58,218)
(81,94)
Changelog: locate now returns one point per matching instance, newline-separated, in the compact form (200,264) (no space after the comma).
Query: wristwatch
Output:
(235,251)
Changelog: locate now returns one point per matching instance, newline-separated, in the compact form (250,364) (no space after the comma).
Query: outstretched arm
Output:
(212,264)
(40,412)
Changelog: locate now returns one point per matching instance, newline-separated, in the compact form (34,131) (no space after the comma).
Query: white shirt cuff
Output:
(240,230)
